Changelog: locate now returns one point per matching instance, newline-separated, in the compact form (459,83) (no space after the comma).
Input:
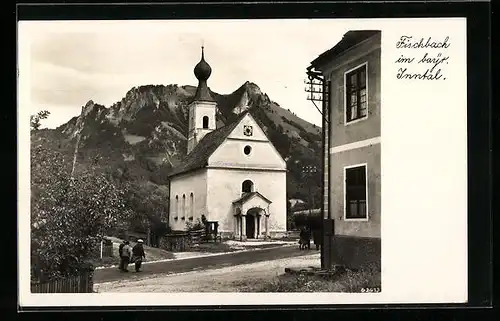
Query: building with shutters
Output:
(350,74)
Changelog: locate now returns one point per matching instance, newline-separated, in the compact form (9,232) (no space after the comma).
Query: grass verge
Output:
(366,279)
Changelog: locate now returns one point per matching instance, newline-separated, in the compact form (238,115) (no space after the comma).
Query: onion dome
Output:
(202,71)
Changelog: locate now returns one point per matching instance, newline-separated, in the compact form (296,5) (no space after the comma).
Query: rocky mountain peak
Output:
(252,88)
(88,108)
(91,108)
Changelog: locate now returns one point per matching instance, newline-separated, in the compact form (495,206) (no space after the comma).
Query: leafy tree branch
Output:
(35,120)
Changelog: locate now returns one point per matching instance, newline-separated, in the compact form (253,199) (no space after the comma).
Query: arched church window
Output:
(183,205)
(191,204)
(176,205)
(247,186)
(205,121)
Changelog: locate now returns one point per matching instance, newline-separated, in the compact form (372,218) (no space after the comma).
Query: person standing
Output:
(308,238)
(302,238)
(120,250)
(138,255)
(126,255)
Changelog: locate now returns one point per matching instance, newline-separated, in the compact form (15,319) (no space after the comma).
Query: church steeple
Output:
(202,109)
(202,71)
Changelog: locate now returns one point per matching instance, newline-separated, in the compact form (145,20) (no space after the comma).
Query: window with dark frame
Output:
(247,186)
(205,121)
(356,107)
(355,192)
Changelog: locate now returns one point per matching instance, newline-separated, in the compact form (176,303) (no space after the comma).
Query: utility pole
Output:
(318,89)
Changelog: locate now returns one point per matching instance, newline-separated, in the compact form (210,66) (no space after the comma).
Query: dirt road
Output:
(239,277)
(199,263)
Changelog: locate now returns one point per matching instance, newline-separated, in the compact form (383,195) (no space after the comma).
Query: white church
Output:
(233,175)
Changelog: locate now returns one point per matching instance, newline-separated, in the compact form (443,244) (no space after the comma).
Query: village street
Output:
(223,272)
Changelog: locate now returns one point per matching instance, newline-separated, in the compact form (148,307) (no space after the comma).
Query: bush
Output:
(198,225)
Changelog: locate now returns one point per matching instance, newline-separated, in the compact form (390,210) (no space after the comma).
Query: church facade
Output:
(232,174)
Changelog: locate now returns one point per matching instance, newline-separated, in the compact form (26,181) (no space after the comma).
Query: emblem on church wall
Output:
(247,130)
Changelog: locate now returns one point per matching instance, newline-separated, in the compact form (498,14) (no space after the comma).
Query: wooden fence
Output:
(76,284)
(197,236)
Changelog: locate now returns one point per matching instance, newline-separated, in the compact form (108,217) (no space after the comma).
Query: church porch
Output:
(251,217)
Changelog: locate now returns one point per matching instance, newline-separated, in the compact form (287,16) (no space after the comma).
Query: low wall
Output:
(180,242)
(175,242)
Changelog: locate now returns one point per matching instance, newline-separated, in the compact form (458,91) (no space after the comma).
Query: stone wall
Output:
(176,242)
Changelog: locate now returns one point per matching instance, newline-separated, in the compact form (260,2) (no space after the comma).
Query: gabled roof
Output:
(349,40)
(198,158)
(247,196)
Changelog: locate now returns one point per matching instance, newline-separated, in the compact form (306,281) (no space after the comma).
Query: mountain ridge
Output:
(143,136)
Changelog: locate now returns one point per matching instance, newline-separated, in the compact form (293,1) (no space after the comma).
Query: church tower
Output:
(202,109)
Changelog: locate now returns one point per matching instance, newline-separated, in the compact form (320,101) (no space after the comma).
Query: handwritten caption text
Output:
(425,59)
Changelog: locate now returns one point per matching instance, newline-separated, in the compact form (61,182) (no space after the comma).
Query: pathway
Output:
(238,278)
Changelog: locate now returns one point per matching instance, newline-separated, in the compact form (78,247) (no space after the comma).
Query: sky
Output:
(71,62)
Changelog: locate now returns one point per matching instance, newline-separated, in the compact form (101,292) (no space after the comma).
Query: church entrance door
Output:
(250,227)
(253,223)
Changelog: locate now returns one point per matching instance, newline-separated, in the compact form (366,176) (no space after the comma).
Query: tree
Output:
(69,214)
(150,205)
(35,120)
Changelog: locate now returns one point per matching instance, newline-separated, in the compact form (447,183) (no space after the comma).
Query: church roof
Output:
(198,158)
(247,196)
(349,40)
